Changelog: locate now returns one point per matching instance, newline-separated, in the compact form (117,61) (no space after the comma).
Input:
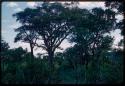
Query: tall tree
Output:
(90,31)
(119,6)
(53,24)
(51,21)
(89,34)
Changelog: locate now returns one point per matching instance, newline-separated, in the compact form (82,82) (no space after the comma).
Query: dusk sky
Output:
(9,22)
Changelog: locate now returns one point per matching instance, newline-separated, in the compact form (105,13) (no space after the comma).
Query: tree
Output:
(54,27)
(4,46)
(51,21)
(89,35)
(117,5)
(26,36)
(14,55)
(25,33)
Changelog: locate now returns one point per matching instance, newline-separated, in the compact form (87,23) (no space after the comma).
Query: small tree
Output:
(4,49)
(25,32)
(27,36)
(4,46)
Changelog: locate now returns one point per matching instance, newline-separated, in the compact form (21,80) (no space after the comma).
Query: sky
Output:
(9,23)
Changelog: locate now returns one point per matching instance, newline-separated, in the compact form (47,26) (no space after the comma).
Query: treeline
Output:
(17,67)
(90,60)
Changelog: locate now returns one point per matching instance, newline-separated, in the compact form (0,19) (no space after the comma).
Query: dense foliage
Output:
(16,68)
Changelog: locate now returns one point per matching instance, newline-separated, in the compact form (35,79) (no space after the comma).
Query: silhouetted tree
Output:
(89,34)
(53,24)
(119,7)
(25,32)
(51,21)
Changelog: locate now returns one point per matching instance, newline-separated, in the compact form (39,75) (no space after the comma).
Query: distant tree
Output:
(14,54)
(121,43)
(4,46)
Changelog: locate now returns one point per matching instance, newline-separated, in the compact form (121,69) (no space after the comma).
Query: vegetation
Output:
(92,60)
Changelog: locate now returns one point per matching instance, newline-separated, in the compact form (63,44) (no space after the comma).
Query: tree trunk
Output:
(51,65)
(31,47)
(50,58)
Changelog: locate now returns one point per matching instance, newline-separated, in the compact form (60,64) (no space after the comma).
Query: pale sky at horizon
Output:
(9,23)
